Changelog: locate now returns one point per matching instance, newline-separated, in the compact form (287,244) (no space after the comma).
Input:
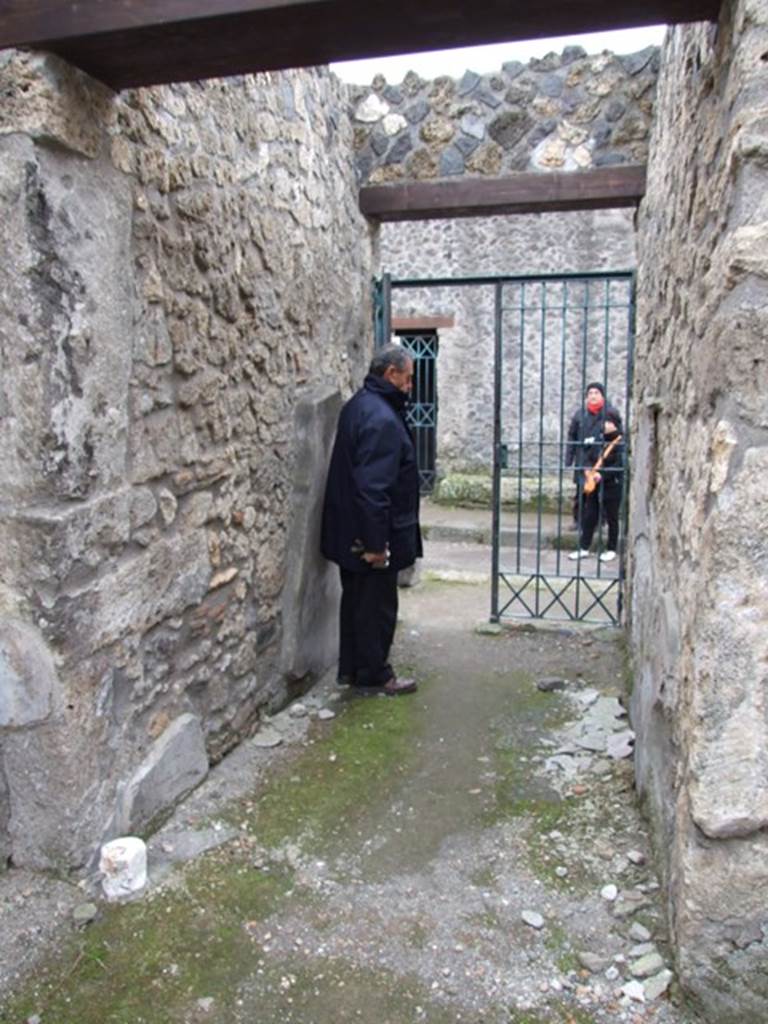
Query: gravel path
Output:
(469,853)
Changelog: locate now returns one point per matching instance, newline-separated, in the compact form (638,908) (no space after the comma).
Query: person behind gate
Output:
(370,526)
(596,451)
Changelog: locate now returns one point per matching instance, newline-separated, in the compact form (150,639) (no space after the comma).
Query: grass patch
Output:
(146,961)
(323,792)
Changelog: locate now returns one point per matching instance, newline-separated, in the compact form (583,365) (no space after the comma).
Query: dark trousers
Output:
(367,625)
(602,506)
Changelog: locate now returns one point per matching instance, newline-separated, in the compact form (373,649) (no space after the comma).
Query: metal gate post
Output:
(497,453)
(382,310)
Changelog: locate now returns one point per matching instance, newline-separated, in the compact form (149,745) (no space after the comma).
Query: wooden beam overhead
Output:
(422,323)
(545,192)
(147,42)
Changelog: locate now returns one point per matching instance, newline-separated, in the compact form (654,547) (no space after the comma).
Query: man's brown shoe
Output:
(395,687)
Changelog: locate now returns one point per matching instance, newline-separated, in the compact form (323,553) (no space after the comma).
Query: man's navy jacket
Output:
(372,493)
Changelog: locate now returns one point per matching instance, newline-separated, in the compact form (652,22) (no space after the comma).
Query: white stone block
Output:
(123,863)
(372,109)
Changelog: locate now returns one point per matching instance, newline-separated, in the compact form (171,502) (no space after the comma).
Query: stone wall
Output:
(524,244)
(186,267)
(563,112)
(699,505)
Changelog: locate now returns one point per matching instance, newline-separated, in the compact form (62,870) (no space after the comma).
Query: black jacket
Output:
(372,493)
(586,441)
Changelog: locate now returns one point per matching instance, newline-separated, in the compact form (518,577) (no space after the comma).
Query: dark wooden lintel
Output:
(543,192)
(148,42)
(421,323)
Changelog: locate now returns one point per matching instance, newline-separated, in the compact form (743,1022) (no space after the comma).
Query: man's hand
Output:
(375,557)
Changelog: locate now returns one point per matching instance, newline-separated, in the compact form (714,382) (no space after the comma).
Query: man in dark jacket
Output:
(591,430)
(371,519)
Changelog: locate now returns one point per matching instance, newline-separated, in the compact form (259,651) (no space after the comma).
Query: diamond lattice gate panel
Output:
(422,410)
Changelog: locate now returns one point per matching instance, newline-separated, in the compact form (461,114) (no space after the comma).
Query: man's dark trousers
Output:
(367,625)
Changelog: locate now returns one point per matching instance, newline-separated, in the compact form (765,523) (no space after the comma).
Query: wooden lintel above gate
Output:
(540,192)
(421,323)
(149,42)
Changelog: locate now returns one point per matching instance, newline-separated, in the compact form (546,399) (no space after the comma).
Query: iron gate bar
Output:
(624,508)
(598,598)
(542,358)
(557,597)
(517,594)
(493,279)
(520,425)
(560,466)
(497,452)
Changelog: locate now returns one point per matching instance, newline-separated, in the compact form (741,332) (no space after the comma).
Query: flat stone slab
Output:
(267,737)
(533,919)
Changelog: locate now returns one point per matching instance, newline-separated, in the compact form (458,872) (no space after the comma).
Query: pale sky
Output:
(484,59)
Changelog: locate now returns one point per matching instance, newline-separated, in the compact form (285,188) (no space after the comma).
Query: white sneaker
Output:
(581,553)
(607,556)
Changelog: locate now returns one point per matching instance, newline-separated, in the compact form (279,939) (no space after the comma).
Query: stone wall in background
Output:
(563,112)
(523,244)
(185,265)
(699,505)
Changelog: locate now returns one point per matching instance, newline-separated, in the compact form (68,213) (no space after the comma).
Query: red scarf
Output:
(595,404)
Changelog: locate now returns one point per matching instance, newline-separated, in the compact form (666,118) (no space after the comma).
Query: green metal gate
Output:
(552,335)
(422,408)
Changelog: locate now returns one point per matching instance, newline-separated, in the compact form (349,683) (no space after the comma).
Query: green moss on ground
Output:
(144,961)
(337,778)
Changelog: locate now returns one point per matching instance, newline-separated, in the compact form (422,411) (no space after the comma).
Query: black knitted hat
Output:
(596,384)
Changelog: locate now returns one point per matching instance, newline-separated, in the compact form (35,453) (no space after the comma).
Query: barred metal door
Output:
(554,335)
(422,409)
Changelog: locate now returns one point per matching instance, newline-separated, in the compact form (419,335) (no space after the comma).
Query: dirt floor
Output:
(471,853)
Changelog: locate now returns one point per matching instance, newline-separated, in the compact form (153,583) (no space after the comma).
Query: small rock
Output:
(489,629)
(636,857)
(205,1004)
(634,990)
(642,950)
(550,683)
(647,965)
(609,892)
(612,974)
(592,961)
(620,744)
(561,871)
(298,710)
(325,714)
(657,985)
(84,913)
(639,932)
(533,919)
(625,907)
(267,737)
(34,1019)
(593,741)
(587,697)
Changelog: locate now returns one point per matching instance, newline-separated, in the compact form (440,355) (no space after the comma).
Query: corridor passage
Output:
(471,853)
